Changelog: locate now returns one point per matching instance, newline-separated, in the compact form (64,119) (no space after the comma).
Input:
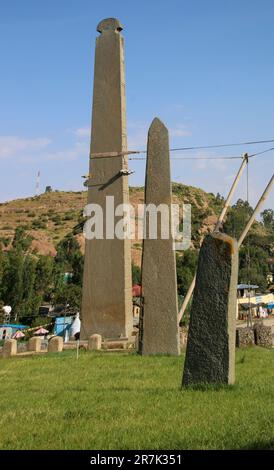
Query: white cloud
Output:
(11,146)
(82,132)
(179,106)
(211,164)
(137,134)
(34,150)
(78,150)
(179,131)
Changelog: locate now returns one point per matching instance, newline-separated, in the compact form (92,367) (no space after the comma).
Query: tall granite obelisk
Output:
(107,285)
(159,331)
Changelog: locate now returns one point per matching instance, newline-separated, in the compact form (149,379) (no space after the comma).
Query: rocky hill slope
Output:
(50,216)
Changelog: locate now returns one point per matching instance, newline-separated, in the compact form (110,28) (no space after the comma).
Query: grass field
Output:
(112,401)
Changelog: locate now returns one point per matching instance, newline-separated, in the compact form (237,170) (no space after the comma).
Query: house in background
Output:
(45,310)
(62,326)
(7,330)
(247,297)
(244,290)
(136,303)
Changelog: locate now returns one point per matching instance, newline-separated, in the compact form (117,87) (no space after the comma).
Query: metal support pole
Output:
(217,227)
(231,192)
(256,210)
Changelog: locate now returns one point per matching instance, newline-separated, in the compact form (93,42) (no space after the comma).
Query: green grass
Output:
(112,401)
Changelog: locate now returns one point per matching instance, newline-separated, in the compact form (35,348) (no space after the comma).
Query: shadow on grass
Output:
(209,387)
(79,414)
(260,445)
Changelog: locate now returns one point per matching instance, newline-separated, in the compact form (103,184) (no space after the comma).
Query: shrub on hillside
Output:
(38,223)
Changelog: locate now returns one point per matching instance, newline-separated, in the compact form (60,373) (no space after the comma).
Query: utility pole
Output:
(37,186)
(256,210)
(216,229)
(231,192)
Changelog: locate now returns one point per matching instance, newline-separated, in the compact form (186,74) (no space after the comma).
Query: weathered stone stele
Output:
(107,297)
(159,331)
(210,354)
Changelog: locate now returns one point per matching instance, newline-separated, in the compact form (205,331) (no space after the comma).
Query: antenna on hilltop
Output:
(37,186)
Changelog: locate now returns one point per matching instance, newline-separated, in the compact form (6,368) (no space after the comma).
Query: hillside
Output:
(50,216)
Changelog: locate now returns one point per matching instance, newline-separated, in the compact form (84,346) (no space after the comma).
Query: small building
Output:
(248,298)
(246,290)
(136,304)
(45,310)
(136,290)
(62,326)
(7,330)
(67,277)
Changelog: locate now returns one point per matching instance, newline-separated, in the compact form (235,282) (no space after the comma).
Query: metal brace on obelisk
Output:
(107,285)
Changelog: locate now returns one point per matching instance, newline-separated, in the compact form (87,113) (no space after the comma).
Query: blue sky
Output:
(205,68)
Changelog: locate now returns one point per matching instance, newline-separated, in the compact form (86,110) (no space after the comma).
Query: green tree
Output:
(66,250)
(69,294)
(237,218)
(68,258)
(12,279)
(44,273)
(22,278)
(268,218)
(186,267)
(21,239)
(2,263)
(253,266)
(30,299)
(77,265)
(136,274)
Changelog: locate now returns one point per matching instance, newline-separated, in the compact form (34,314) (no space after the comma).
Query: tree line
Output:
(28,279)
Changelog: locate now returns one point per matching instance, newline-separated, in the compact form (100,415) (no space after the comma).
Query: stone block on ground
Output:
(56,344)
(34,344)
(9,348)
(263,335)
(244,337)
(95,342)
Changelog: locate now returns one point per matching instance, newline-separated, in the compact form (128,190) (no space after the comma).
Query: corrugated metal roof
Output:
(247,286)
(10,325)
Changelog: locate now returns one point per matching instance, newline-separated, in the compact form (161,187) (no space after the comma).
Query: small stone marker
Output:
(34,344)
(159,323)
(9,348)
(263,335)
(210,354)
(56,344)
(244,337)
(95,342)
